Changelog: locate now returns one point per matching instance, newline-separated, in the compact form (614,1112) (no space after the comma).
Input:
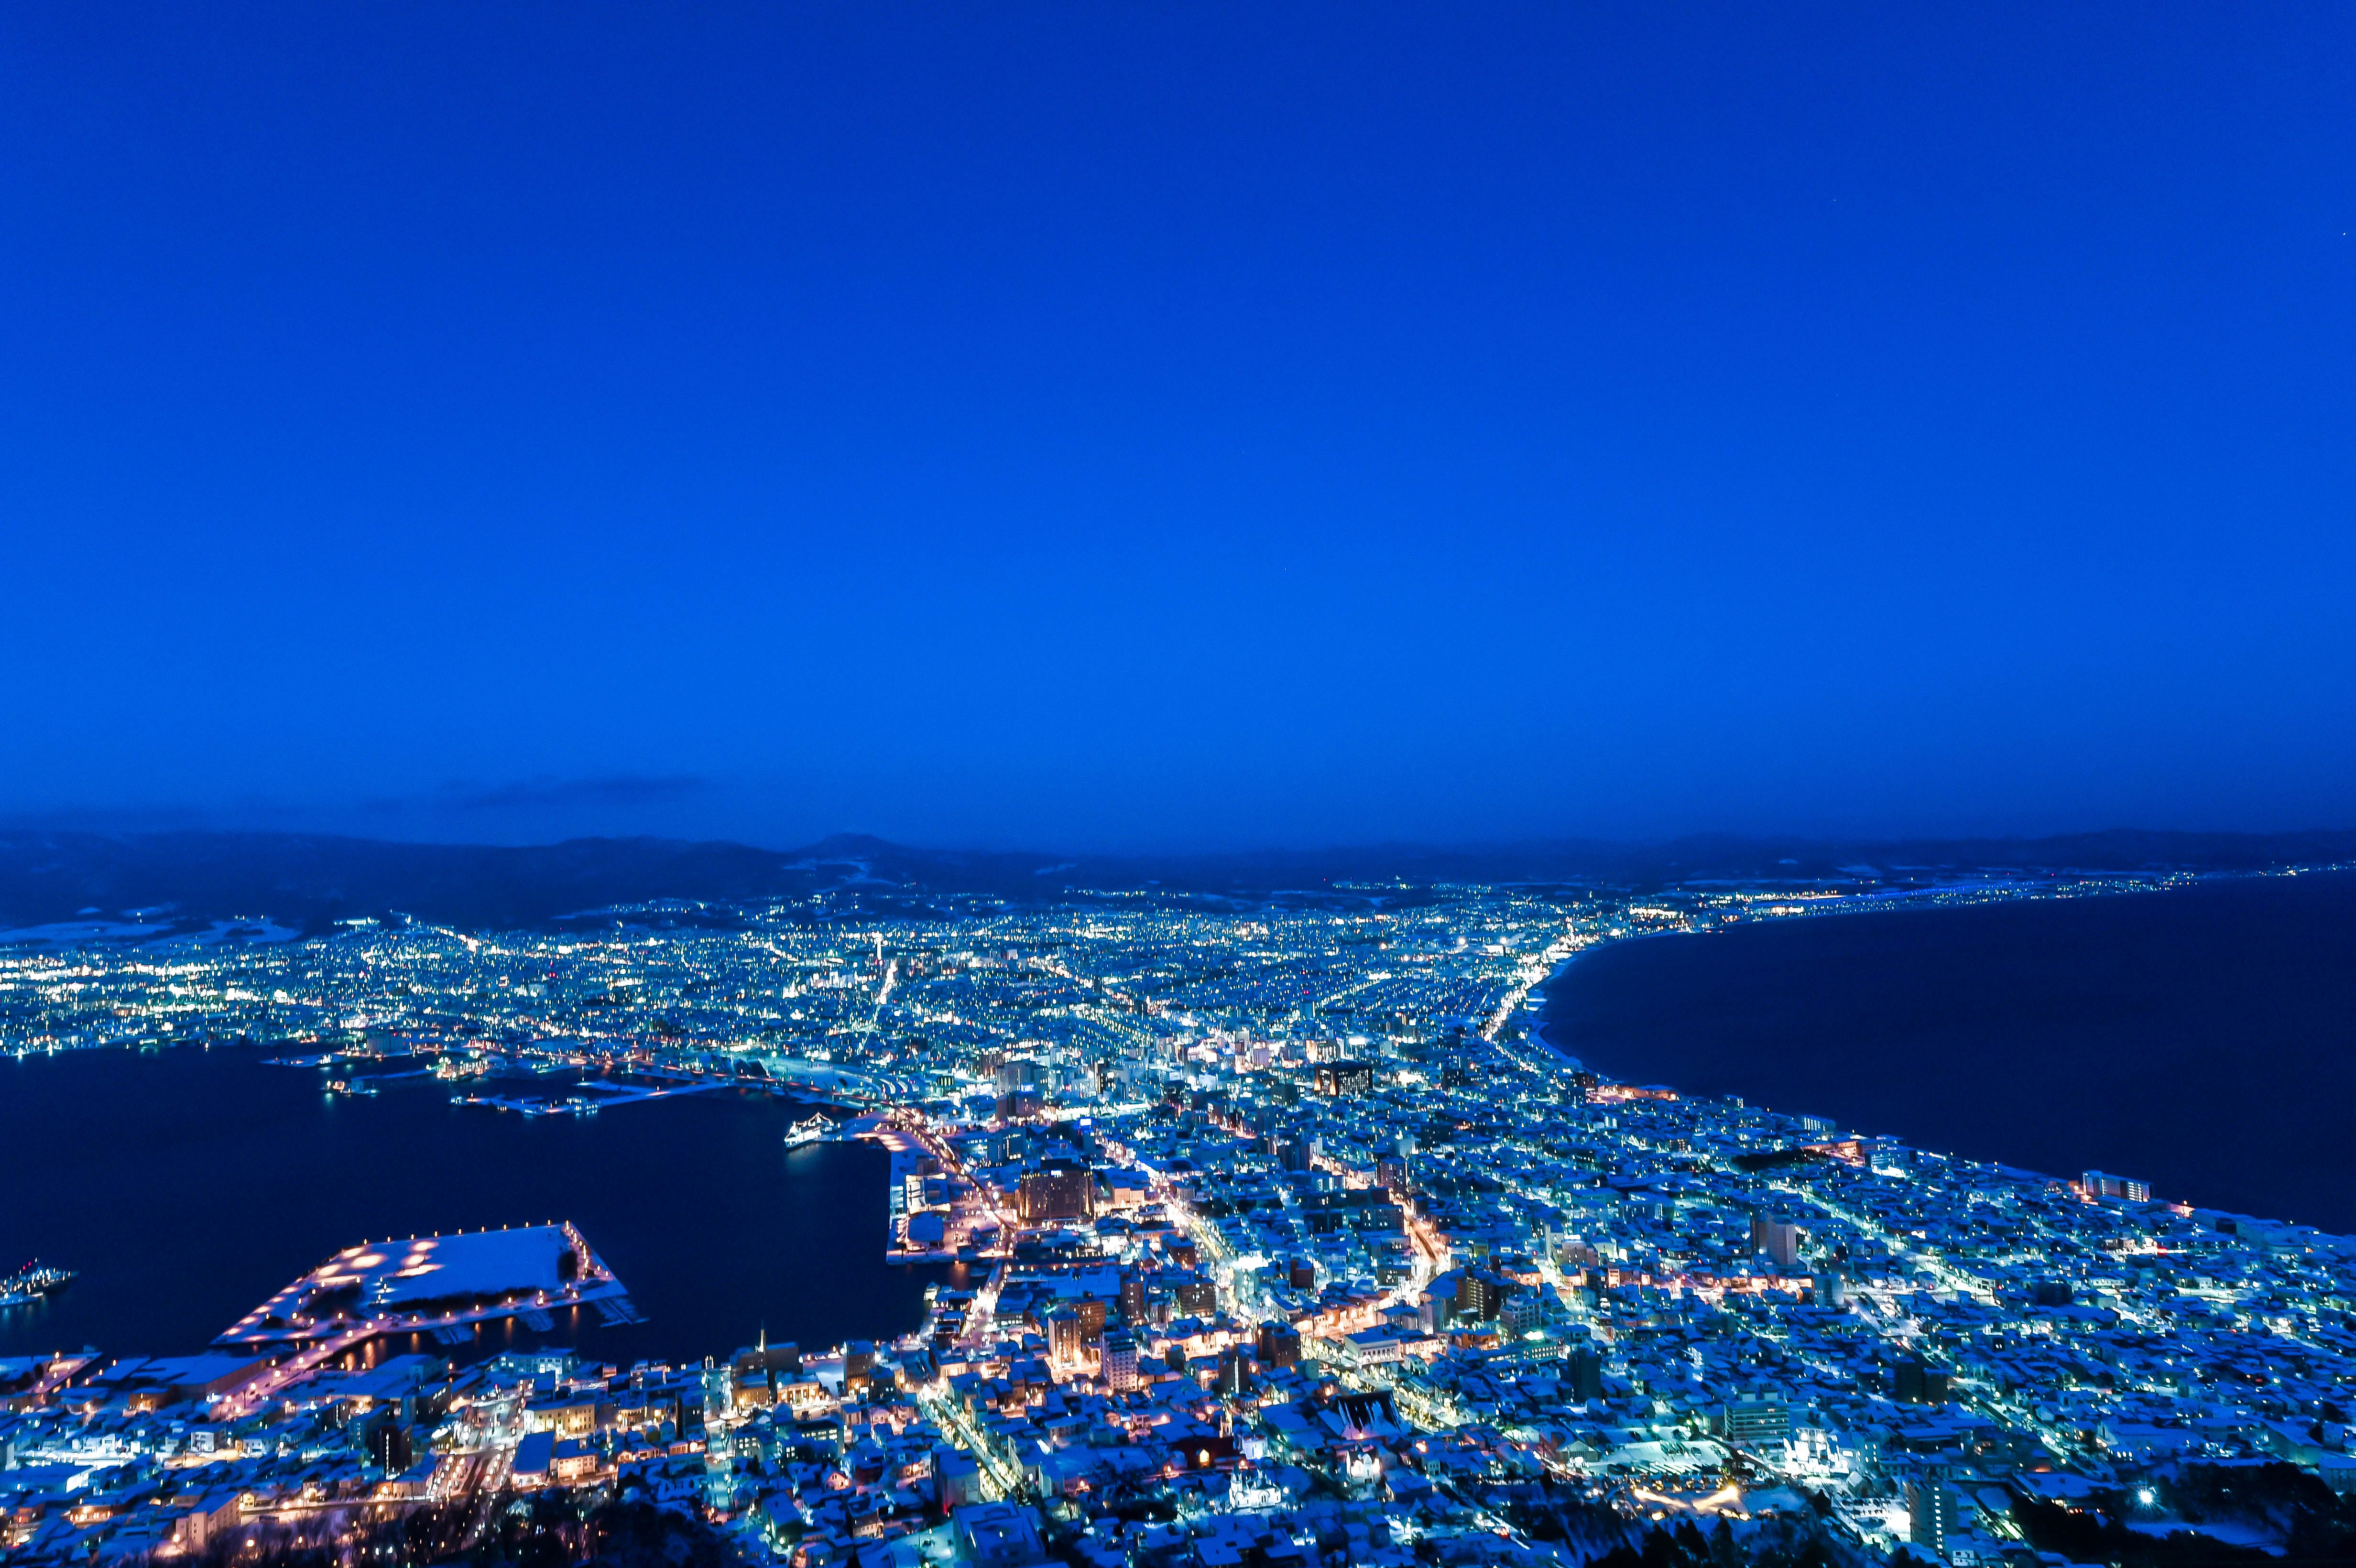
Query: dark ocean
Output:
(187,1185)
(2203,1038)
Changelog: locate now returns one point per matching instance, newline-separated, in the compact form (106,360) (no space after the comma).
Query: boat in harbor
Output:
(817,1127)
(32,1282)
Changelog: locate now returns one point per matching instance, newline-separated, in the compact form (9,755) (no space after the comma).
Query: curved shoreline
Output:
(2058,888)
(2052,1039)
(1545,1024)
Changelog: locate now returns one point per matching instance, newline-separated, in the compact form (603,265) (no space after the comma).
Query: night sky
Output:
(1177,426)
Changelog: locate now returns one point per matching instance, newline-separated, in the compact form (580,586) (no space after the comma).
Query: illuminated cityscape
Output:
(1062,786)
(1284,1237)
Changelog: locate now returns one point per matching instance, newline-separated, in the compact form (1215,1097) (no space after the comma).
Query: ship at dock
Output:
(31,1283)
(817,1127)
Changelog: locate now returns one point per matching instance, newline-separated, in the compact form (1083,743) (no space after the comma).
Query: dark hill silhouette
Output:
(311,879)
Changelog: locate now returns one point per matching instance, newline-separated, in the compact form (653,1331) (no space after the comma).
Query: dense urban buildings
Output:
(1287,1241)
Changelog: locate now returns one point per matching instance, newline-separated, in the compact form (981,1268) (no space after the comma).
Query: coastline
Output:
(1542,1033)
(2052,992)
(2059,887)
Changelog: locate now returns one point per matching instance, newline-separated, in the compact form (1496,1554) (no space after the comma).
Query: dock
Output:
(441,1286)
(588,1099)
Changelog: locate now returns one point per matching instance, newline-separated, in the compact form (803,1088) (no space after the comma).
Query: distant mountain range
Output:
(309,882)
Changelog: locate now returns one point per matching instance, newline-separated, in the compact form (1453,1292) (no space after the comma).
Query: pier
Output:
(588,1099)
(437,1286)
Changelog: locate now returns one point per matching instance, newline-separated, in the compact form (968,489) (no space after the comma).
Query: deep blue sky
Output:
(1135,425)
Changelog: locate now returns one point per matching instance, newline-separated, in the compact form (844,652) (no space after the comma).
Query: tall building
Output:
(387,1444)
(1279,1345)
(1479,1296)
(1061,1189)
(1121,1361)
(1933,1512)
(1777,1236)
(2096,1184)
(1753,1420)
(1067,1338)
(1582,1376)
(1344,1078)
(1919,1382)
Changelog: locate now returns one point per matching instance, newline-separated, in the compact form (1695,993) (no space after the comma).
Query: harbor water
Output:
(2203,1039)
(187,1185)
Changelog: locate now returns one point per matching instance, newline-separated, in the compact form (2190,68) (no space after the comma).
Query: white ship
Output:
(814,1128)
(31,1283)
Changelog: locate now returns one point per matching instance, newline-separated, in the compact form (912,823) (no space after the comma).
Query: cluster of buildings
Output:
(1287,1241)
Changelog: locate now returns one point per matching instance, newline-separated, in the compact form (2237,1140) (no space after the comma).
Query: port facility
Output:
(422,1284)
